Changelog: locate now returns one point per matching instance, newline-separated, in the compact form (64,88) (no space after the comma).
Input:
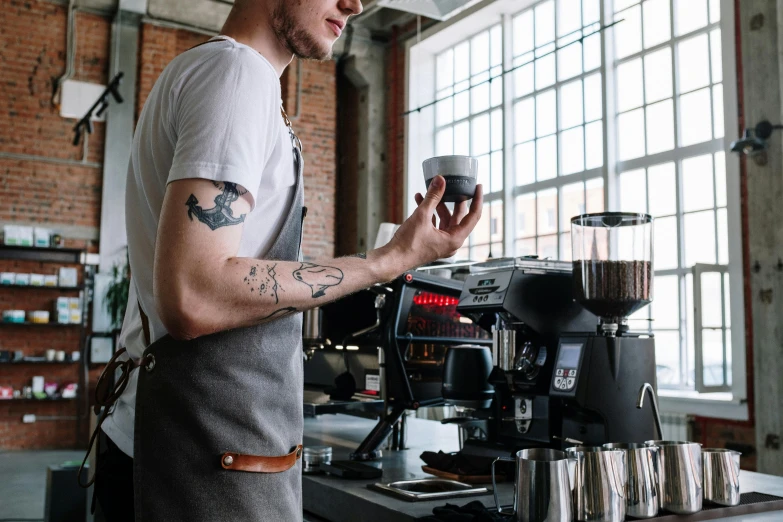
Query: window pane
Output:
(591,11)
(660,127)
(629,85)
(523,80)
(497,130)
(573,204)
(462,136)
(569,17)
(622,4)
(717,110)
(717,60)
(658,75)
(595,195)
(547,247)
(697,183)
(479,253)
(545,71)
(593,98)
(526,217)
(461,105)
(700,238)
(690,362)
(695,117)
(524,120)
(547,213)
(484,172)
(712,353)
(662,190)
(657,22)
(479,53)
(711,300)
(526,247)
(714,11)
(525,163)
(727,300)
(545,23)
(444,142)
(496,46)
(628,34)
(690,15)
(569,62)
(546,158)
(497,171)
(633,191)
(444,113)
(594,145)
(463,254)
(480,135)
(665,243)
(631,134)
(723,237)
(496,224)
(565,247)
(496,92)
(572,151)
(667,358)
(480,234)
(693,59)
(523,33)
(461,62)
(479,98)
(546,107)
(445,69)
(571,104)
(592,52)
(666,302)
(720,178)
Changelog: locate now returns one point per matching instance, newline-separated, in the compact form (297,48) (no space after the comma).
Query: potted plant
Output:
(117,292)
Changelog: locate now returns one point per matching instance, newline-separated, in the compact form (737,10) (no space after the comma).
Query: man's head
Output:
(309,28)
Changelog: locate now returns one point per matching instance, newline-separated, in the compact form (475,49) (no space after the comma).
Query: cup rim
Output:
(561,455)
(662,443)
(720,450)
(626,446)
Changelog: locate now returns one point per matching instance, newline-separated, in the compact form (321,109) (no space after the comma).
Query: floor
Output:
(23,482)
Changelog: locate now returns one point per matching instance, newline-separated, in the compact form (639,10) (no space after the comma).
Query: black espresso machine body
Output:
(576,387)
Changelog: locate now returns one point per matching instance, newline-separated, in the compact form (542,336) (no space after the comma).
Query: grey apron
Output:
(237,391)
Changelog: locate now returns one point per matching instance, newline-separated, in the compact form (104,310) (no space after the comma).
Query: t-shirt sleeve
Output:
(222,120)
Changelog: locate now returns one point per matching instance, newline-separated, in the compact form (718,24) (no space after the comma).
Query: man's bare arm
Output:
(202,287)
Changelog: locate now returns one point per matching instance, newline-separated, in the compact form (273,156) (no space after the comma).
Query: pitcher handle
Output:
(495,488)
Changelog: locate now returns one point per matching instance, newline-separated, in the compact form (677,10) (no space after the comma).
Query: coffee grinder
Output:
(566,367)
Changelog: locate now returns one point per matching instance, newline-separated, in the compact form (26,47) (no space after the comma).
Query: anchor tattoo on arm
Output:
(221,214)
(318,277)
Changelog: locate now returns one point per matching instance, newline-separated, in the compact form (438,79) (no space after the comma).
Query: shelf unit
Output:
(54,256)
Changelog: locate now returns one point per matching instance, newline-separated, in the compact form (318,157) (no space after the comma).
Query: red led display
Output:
(430,299)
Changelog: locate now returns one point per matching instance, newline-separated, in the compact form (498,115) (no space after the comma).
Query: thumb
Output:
(434,195)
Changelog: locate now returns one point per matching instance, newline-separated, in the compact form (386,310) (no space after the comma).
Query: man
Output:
(209,426)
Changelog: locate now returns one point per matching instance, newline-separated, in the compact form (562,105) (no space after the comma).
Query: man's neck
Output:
(252,28)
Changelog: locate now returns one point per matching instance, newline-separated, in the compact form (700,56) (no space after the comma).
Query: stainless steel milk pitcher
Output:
(681,476)
(642,494)
(721,476)
(600,478)
(542,486)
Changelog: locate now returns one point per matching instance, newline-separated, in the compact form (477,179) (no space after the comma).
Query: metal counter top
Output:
(339,500)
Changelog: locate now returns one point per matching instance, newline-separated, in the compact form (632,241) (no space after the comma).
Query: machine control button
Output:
(564,386)
(475,298)
(571,373)
(558,382)
(559,372)
(570,382)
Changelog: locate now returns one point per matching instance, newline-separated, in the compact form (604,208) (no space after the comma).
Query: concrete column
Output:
(365,70)
(762,64)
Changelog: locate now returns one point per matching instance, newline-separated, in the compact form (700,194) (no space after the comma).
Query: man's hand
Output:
(420,241)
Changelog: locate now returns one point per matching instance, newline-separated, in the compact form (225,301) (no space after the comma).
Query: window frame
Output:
(420,90)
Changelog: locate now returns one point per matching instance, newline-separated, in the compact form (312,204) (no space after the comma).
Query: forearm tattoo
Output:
(266,283)
(282,312)
(360,255)
(221,214)
(319,278)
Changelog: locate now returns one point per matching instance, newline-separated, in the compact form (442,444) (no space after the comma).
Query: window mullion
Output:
(611,195)
(509,168)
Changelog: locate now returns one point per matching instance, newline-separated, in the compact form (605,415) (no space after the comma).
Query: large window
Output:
(567,118)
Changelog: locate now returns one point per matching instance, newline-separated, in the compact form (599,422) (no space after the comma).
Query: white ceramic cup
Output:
(51,354)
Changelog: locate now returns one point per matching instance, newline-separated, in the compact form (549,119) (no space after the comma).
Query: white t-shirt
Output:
(214,113)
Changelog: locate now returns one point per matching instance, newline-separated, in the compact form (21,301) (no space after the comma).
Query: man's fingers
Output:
(444,215)
(472,218)
(434,195)
(418,198)
(460,209)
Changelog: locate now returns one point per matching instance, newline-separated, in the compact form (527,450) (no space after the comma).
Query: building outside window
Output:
(629,118)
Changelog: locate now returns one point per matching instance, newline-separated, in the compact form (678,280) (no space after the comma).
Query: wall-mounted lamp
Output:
(85,124)
(754,141)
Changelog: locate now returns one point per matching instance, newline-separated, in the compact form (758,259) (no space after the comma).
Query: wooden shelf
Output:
(31,287)
(73,256)
(42,325)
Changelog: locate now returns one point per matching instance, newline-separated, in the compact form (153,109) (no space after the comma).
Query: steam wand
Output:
(640,403)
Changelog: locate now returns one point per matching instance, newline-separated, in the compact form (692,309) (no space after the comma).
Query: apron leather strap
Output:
(145,325)
(256,464)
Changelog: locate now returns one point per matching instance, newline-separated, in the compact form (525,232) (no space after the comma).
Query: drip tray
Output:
(749,503)
(429,489)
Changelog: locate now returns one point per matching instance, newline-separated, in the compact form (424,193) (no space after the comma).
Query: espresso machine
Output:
(566,368)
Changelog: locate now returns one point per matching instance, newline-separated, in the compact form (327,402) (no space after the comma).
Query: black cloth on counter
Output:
(460,464)
(471,512)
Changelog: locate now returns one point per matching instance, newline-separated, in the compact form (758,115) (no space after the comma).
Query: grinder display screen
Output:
(435,315)
(569,356)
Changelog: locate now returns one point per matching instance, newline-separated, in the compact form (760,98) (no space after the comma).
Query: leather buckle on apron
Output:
(257,464)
